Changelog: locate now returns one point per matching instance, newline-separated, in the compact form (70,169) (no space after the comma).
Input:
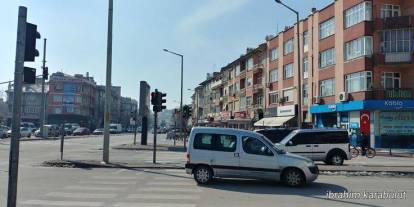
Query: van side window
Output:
(332,137)
(203,141)
(302,138)
(254,146)
(226,143)
(215,142)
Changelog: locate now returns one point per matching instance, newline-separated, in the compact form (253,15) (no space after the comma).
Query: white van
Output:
(224,152)
(115,128)
(328,145)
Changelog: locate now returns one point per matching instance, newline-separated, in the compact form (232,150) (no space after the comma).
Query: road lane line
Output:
(154,205)
(164,196)
(169,189)
(81,195)
(61,203)
(98,182)
(172,183)
(80,187)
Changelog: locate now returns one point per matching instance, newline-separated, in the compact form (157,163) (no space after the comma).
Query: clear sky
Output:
(210,34)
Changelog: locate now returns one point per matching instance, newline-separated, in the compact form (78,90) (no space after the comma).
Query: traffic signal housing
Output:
(157,100)
(30,51)
(45,73)
(29,75)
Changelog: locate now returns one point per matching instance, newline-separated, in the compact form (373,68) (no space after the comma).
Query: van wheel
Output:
(293,178)
(203,175)
(336,159)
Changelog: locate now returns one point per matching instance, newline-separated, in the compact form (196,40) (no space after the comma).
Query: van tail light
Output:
(188,157)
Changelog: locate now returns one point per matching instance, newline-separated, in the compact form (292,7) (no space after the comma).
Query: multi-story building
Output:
(31,102)
(3,111)
(356,61)
(72,99)
(115,104)
(128,106)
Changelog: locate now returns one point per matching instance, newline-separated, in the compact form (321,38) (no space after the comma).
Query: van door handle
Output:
(308,145)
(236,154)
(316,145)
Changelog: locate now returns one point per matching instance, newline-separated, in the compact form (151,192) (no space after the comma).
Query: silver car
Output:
(232,153)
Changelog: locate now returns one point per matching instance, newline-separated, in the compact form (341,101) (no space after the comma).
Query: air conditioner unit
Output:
(343,96)
(282,100)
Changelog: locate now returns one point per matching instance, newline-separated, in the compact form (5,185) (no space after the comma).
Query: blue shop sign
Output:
(389,104)
(360,105)
(329,108)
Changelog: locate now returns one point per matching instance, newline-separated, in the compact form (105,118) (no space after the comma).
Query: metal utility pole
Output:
(299,117)
(108,85)
(154,152)
(43,109)
(17,98)
(181,97)
(135,126)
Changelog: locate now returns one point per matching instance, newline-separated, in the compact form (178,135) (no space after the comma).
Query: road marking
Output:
(175,170)
(98,182)
(169,189)
(172,183)
(81,195)
(61,203)
(80,187)
(115,178)
(173,178)
(164,196)
(154,205)
(119,171)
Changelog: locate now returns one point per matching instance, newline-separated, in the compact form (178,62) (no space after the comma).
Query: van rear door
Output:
(226,156)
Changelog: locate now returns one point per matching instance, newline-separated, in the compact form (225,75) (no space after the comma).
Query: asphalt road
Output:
(42,186)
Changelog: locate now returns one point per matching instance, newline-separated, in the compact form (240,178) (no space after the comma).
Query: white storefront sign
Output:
(286,110)
(396,123)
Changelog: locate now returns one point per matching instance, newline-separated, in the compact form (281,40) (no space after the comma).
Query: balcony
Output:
(258,106)
(242,74)
(394,22)
(216,84)
(392,93)
(393,58)
(258,68)
(243,92)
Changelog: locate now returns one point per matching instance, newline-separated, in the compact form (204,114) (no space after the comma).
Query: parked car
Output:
(275,135)
(52,131)
(24,132)
(224,152)
(328,145)
(81,131)
(3,131)
(98,131)
(70,127)
(29,125)
(115,128)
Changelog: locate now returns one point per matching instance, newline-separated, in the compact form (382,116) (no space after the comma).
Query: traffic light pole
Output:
(135,127)
(154,152)
(43,108)
(17,98)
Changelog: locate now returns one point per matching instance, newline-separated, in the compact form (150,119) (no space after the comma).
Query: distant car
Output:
(3,131)
(29,125)
(24,132)
(53,131)
(275,134)
(81,131)
(98,131)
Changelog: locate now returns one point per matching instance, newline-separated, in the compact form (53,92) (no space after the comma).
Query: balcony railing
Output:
(258,68)
(394,22)
(393,93)
(394,58)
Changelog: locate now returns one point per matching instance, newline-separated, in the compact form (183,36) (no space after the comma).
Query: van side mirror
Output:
(290,143)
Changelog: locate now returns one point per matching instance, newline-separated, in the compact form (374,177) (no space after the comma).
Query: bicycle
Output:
(369,152)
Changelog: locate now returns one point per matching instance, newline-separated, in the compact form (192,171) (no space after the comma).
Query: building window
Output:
(57,110)
(242,103)
(389,10)
(327,87)
(237,70)
(327,58)
(288,95)
(361,81)
(231,92)
(391,80)
(57,98)
(249,81)
(237,87)
(288,47)
(327,28)
(248,101)
(273,98)
(288,71)
(305,94)
(274,75)
(231,74)
(274,54)
(58,86)
(249,63)
(358,48)
(358,13)
(399,40)
(305,41)
(305,68)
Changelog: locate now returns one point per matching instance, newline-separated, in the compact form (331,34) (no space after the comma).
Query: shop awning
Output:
(273,121)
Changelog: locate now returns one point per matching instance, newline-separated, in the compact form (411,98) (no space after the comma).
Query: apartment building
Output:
(357,72)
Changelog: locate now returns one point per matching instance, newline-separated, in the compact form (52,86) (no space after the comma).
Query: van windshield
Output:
(288,137)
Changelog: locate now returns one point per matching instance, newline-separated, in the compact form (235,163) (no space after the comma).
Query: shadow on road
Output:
(316,190)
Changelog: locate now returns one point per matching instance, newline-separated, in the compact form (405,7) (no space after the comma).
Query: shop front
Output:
(389,123)
(240,121)
(285,117)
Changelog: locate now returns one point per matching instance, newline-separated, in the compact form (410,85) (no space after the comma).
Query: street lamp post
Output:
(181,91)
(299,118)
(196,104)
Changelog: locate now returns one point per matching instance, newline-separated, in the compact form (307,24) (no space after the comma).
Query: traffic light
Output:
(45,73)
(29,75)
(30,51)
(187,111)
(157,101)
